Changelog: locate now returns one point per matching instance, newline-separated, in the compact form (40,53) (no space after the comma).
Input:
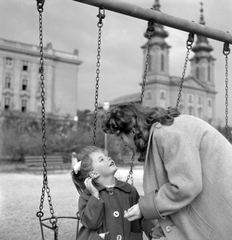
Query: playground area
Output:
(20,193)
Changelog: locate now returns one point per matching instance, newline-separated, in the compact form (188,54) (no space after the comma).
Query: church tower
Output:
(158,68)
(198,93)
(202,64)
(202,70)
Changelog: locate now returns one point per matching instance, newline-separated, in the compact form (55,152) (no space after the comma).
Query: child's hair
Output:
(86,166)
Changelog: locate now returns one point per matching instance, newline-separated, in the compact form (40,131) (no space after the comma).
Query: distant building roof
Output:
(135,97)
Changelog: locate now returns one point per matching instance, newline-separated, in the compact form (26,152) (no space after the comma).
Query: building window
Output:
(210,110)
(181,108)
(162,62)
(8,81)
(7,104)
(190,109)
(190,98)
(209,103)
(24,84)
(162,94)
(199,112)
(209,79)
(163,98)
(148,98)
(24,105)
(25,66)
(197,72)
(8,61)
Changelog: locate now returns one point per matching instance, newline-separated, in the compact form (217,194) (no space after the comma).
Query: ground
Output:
(20,193)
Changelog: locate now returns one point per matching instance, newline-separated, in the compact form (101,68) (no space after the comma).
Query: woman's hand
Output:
(133,213)
(90,187)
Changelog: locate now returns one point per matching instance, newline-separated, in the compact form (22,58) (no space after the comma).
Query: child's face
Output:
(103,164)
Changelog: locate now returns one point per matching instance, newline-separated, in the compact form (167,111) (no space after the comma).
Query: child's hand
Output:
(133,213)
(90,187)
(157,233)
(75,164)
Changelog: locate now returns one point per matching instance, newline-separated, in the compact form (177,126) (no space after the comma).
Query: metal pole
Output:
(160,18)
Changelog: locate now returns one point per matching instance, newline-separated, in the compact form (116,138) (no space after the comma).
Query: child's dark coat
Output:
(106,215)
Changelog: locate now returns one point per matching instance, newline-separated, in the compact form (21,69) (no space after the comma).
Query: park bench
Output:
(54,162)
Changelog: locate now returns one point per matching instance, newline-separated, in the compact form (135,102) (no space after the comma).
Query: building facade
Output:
(198,94)
(20,88)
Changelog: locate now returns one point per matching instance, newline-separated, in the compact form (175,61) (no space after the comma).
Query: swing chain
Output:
(41,69)
(40,4)
(149,33)
(101,16)
(130,175)
(189,43)
(226,52)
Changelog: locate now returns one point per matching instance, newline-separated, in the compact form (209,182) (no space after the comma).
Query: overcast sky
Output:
(70,25)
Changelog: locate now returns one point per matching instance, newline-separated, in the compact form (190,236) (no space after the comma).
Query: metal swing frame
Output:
(135,11)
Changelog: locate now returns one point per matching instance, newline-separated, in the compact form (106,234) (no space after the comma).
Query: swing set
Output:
(151,17)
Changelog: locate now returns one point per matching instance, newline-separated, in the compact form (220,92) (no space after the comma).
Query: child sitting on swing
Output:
(104,199)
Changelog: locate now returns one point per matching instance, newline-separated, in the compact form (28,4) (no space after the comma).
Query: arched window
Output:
(181,108)
(8,61)
(24,105)
(7,81)
(148,95)
(209,75)
(209,102)
(148,98)
(163,98)
(7,103)
(24,84)
(25,65)
(190,98)
(162,62)
(190,110)
(210,110)
(199,110)
(162,95)
(197,72)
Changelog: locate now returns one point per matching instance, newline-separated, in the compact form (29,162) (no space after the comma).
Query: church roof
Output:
(192,82)
(134,97)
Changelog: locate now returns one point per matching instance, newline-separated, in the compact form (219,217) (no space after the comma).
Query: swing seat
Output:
(48,223)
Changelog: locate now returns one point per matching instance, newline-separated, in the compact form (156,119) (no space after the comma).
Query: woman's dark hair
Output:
(86,166)
(132,117)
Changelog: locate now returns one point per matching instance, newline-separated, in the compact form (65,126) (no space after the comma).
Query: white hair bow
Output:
(75,164)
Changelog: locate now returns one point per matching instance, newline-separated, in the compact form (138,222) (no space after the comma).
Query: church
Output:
(198,93)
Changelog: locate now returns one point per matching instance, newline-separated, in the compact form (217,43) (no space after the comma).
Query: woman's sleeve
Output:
(182,164)
(91,211)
